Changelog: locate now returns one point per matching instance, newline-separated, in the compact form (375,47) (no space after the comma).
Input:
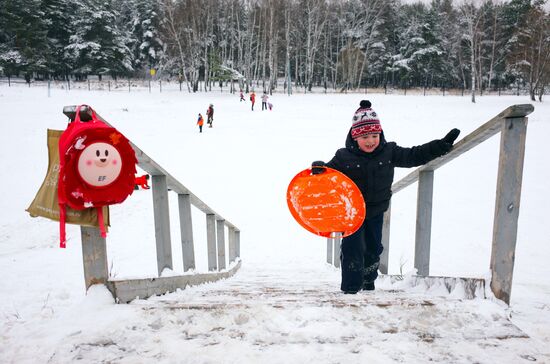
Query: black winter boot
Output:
(368,286)
(350,292)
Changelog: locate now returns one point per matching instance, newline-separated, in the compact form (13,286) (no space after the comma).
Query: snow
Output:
(11,56)
(284,304)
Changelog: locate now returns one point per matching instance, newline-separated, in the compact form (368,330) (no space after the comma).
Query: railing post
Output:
(186,229)
(508,196)
(220,229)
(237,243)
(337,242)
(94,256)
(211,241)
(162,223)
(423,223)
(330,243)
(385,256)
(231,244)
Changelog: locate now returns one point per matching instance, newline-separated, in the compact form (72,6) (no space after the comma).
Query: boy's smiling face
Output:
(368,143)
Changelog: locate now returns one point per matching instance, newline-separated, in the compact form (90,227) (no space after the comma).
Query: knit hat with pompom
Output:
(365,121)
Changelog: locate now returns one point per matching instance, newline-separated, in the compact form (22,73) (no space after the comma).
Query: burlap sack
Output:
(45,202)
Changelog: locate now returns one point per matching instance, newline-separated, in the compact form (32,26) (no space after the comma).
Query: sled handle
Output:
(318,167)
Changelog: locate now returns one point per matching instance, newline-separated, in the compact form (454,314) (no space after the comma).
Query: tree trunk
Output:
(493,50)
(287,37)
(473,72)
(272,49)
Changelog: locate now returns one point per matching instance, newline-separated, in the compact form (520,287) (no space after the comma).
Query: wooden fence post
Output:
(238,243)
(211,241)
(162,223)
(231,245)
(385,256)
(94,256)
(330,243)
(508,196)
(220,229)
(186,230)
(423,223)
(337,242)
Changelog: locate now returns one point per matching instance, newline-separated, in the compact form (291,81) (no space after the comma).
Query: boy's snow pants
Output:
(360,254)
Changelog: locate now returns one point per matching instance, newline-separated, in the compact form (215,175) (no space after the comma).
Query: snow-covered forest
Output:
(283,44)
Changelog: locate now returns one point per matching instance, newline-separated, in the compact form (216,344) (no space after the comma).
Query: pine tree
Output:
(530,52)
(58,16)
(97,45)
(23,45)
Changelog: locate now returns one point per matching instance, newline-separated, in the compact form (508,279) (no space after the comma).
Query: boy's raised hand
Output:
(446,144)
(451,136)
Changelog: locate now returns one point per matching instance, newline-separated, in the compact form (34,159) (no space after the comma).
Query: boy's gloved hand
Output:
(449,139)
(451,136)
(318,167)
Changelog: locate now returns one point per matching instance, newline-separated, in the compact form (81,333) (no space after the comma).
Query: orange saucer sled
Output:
(326,203)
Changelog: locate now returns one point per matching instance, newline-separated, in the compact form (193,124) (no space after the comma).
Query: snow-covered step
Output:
(296,315)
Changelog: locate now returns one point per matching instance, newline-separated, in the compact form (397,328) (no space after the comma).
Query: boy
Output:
(370,161)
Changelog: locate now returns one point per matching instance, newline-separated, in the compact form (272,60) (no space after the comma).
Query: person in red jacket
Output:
(200,122)
(252,99)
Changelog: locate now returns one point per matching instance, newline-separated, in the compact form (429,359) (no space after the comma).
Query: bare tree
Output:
(288,78)
(471,16)
(371,20)
(361,31)
(249,39)
(497,42)
(172,26)
(276,9)
(532,51)
(316,16)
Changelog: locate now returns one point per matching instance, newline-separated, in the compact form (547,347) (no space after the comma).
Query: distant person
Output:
(252,99)
(210,115)
(264,101)
(242,96)
(369,161)
(200,122)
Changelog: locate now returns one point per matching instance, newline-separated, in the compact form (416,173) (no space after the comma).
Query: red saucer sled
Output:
(326,203)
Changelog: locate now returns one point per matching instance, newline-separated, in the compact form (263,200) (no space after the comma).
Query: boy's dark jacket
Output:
(373,172)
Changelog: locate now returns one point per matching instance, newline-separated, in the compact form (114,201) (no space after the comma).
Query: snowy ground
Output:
(284,304)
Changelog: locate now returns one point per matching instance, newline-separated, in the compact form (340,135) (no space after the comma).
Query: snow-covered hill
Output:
(241,168)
